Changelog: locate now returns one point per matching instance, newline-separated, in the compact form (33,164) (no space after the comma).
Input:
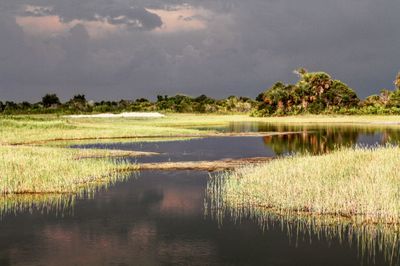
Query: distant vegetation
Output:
(177,104)
(319,93)
(314,93)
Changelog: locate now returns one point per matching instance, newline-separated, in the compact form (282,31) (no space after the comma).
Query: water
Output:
(206,149)
(156,219)
(314,139)
(159,218)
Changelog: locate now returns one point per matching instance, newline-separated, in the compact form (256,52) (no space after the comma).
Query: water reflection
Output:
(372,241)
(157,219)
(58,204)
(320,138)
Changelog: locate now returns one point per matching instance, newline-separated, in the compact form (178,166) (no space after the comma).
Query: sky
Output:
(128,49)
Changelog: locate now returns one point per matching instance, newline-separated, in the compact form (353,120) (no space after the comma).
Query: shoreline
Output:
(206,135)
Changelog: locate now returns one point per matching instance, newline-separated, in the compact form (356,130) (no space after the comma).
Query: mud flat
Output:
(219,165)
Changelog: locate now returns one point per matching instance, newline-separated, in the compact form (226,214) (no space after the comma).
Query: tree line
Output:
(313,93)
(51,103)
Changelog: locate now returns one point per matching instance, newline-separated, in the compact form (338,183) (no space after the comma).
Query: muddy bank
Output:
(219,165)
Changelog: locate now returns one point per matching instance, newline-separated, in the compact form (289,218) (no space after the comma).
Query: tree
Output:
(78,103)
(79,98)
(50,100)
(142,100)
(394,97)
(315,92)
(397,81)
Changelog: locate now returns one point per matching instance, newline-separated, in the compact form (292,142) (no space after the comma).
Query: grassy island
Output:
(356,183)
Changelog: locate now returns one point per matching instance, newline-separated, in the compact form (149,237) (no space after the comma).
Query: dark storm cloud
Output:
(219,47)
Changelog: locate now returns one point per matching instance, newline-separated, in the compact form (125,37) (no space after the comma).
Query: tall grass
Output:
(351,195)
(27,169)
(358,183)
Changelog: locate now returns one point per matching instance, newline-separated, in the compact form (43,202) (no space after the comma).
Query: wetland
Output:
(185,217)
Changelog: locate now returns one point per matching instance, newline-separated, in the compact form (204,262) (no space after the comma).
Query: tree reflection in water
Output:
(323,139)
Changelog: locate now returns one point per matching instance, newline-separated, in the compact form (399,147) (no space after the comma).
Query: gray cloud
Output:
(244,47)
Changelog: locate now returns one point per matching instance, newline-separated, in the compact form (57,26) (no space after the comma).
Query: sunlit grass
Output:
(361,184)
(351,195)
(19,132)
(26,169)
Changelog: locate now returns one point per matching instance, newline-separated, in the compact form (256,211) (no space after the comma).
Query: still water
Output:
(160,218)
(314,139)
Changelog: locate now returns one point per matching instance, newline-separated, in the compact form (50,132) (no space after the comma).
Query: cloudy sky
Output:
(113,49)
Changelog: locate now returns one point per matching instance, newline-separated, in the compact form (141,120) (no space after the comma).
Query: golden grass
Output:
(27,169)
(20,132)
(362,184)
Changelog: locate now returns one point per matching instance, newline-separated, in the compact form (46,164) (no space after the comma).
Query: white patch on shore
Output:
(125,115)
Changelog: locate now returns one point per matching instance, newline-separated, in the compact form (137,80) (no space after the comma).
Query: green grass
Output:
(360,184)
(29,170)
(20,132)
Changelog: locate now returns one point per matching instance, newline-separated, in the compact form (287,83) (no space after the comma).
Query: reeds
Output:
(32,169)
(351,195)
(358,183)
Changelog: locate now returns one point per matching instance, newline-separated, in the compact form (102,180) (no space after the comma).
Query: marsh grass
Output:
(30,170)
(351,195)
(17,131)
(359,183)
